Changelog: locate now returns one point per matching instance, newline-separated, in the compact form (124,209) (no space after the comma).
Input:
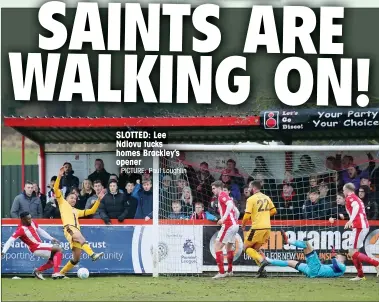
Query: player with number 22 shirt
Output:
(259,207)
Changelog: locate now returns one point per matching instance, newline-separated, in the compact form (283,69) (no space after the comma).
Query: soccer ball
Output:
(83,273)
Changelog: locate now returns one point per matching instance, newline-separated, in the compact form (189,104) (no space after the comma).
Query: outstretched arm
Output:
(8,244)
(92,211)
(44,234)
(57,192)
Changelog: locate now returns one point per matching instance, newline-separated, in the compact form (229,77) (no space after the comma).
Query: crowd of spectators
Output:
(301,193)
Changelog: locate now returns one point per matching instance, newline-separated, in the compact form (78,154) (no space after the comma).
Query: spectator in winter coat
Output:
(288,205)
(339,212)
(115,177)
(86,192)
(371,206)
(199,212)
(27,201)
(352,175)
(234,173)
(51,209)
(167,195)
(131,201)
(314,207)
(100,173)
(187,202)
(68,180)
(41,196)
(203,181)
(176,211)
(113,205)
(235,189)
(145,201)
(98,187)
(242,205)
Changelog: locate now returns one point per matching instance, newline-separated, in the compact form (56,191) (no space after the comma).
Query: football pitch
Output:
(134,288)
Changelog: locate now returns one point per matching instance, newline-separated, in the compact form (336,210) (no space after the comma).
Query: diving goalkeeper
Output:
(313,268)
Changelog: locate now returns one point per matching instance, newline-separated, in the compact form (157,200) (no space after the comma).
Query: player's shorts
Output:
(257,237)
(43,250)
(358,238)
(227,234)
(312,267)
(69,231)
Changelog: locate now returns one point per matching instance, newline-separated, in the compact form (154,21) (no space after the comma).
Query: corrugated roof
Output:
(217,129)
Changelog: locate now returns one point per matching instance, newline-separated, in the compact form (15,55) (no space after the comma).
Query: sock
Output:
(298,243)
(52,256)
(87,249)
(69,266)
(46,266)
(358,265)
(57,261)
(277,262)
(364,258)
(254,255)
(230,261)
(220,262)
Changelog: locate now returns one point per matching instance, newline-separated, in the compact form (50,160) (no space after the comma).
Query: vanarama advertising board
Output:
(320,239)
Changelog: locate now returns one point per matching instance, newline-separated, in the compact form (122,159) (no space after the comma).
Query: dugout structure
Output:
(286,126)
(209,134)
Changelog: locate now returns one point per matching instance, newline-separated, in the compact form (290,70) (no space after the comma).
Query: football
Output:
(83,273)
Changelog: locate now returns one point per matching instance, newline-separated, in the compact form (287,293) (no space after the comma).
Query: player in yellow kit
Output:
(259,208)
(70,220)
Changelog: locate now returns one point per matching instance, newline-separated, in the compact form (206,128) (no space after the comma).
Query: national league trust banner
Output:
(127,250)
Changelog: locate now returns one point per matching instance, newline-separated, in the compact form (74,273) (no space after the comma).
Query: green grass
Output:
(13,157)
(136,288)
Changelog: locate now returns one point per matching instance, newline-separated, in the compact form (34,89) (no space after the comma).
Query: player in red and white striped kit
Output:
(229,228)
(29,232)
(359,223)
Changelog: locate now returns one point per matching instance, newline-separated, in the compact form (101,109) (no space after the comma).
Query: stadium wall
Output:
(11,184)
(185,246)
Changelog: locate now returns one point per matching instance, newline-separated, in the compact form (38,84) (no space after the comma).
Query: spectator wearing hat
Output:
(68,180)
(115,177)
(100,173)
(113,205)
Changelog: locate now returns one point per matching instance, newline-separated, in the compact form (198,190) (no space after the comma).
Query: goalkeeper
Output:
(313,268)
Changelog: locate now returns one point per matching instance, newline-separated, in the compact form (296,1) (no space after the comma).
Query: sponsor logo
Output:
(237,247)
(162,251)
(372,244)
(188,247)
(271,119)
